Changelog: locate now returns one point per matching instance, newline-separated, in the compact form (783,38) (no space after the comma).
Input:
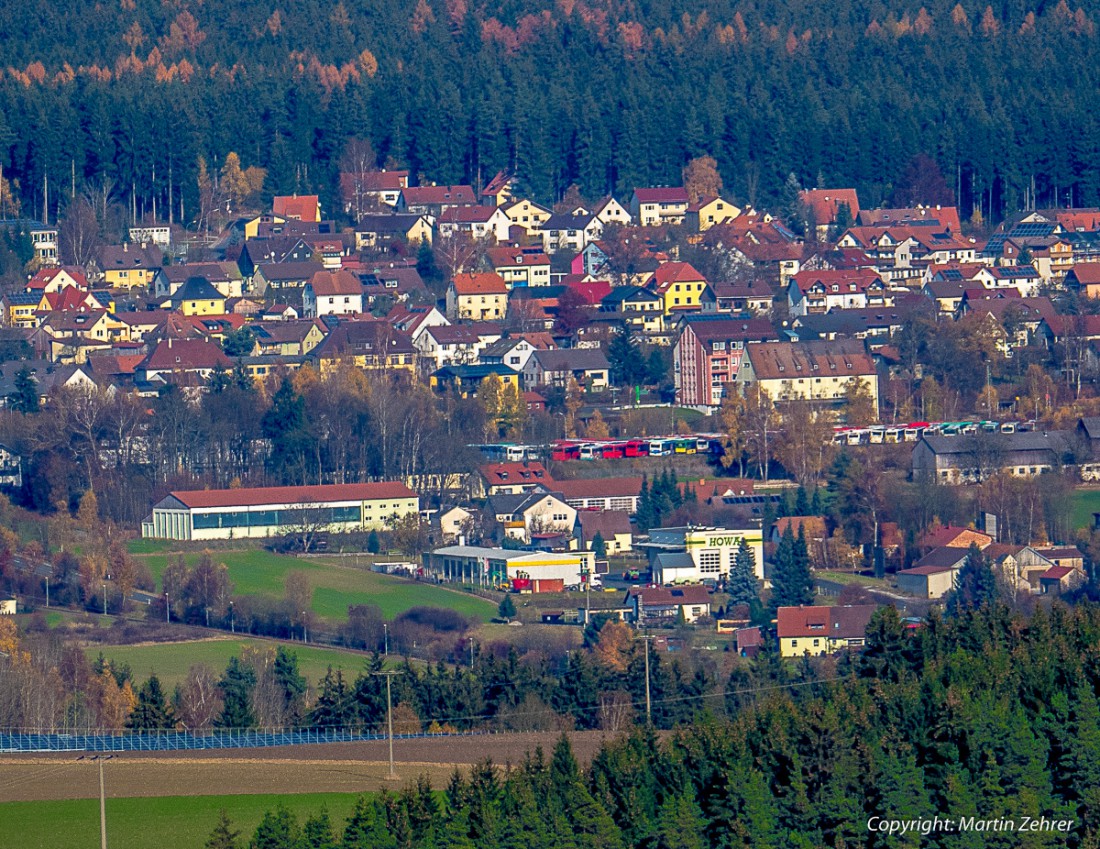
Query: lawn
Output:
(850,578)
(167,822)
(336,584)
(1085,503)
(171,661)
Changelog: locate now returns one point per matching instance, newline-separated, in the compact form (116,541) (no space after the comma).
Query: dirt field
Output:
(329,768)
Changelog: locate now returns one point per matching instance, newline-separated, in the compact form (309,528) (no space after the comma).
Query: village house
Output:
(481,296)
(433,201)
(129,266)
(708,212)
(373,345)
(527,215)
(288,338)
(378,231)
(822,291)
(652,206)
(520,266)
(570,231)
(197,297)
(366,190)
(515,351)
(512,478)
(1083,280)
(635,306)
(466,380)
(823,208)
(822,630)
(658,606)
(588,366)
(455,344)
(57,277)
(679,285)
(741,298)
(332,293)
(613,526)
(527,515)
(284,281)
(487,224)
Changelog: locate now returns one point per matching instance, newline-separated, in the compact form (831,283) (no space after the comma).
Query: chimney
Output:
(125,247)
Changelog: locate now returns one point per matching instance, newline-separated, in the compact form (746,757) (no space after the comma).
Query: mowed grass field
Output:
(172,661)
(167,822)
(1085,503)
(336,583)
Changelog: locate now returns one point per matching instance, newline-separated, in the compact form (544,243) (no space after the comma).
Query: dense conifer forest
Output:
(986,715)
(604,95)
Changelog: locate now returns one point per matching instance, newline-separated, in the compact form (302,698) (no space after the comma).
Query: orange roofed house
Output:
(823,207)
(478,297)
(270,511)
(297,207)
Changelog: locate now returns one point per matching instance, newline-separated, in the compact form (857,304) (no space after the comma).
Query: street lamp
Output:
(167,609)
(232,621)
(386,638)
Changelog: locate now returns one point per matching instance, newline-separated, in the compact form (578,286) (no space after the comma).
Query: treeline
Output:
(345,426)
(987,715)
(835,94)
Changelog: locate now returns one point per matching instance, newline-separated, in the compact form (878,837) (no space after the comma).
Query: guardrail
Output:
(163,741)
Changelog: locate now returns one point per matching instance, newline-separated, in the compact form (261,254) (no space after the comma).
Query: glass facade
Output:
(286,517)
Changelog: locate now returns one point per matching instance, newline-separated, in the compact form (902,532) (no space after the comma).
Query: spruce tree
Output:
(277,830)
(743,587)
(223,836)
(152,711)
(599,546)
(975,585)
(236,686)
(24,396)
(792,584)
(507,608)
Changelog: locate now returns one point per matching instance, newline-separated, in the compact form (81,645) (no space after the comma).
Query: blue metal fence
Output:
(161,741)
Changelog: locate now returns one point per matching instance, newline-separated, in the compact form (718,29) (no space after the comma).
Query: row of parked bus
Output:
(712,443)
(911,432)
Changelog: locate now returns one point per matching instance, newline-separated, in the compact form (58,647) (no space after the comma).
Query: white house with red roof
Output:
(332,293)
(652,206)
(480,223)
(818,292)
(520,266)
(823,206)
(56,278)
(269,511)
(173,358)
(297,207)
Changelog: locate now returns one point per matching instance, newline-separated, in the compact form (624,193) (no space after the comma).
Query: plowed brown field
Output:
(328,768)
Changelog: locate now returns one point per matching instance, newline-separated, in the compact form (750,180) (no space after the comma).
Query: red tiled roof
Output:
(510,473)
(300,207)
(484,283)
(824,203)
(328,283)
(438,195)
(186,353)
(254,496)
(670,194)
(601,488)
(832,622)
(675,272)
(1056,573)
(506,257)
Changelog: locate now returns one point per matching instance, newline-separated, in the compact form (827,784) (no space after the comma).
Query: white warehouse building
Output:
(269,511)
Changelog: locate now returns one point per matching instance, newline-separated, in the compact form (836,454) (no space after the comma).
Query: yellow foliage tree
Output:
(615,645)
(597,427)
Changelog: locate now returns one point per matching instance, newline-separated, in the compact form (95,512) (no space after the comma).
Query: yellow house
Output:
(20,309)
(369,345)
(198,297)
(822,630)
(528,215)
(128,266)
(479,297)
(708,212)
(466,380)
(680,286)
(808,371)
(252,228)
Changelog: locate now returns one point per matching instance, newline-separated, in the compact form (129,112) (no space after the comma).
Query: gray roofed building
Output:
(972,458)
(588,366)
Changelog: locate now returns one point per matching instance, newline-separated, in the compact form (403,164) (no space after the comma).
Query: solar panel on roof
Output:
(1033,228)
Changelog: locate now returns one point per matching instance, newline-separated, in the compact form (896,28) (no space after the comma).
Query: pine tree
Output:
(223,836)
(975,586)
(236,686)
(743,586)
(317,832)
(24,396)
(277,830)
(680,823)
(792,584)
(507,608)
(152,711)
(599,546)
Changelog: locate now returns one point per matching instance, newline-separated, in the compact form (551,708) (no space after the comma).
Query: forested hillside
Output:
(602,93)
(988,716)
